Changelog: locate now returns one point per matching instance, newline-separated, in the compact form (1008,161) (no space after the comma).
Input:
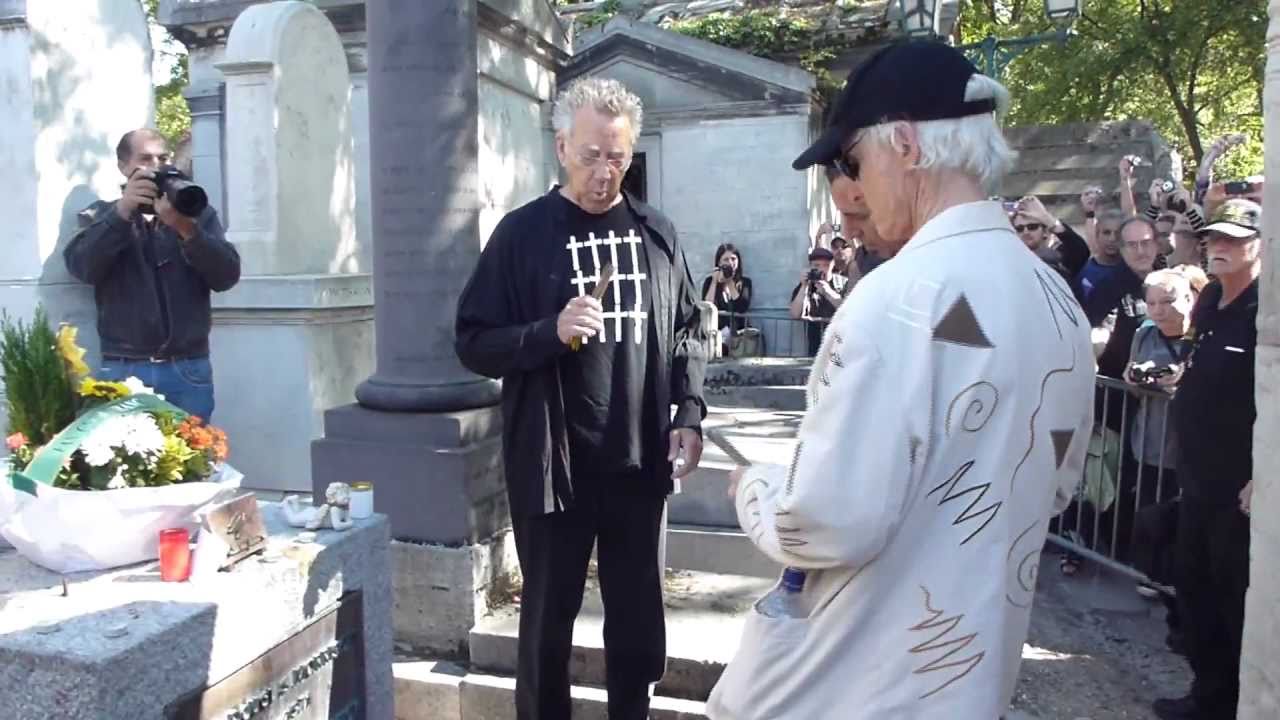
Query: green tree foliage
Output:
(173,117)
(1192,67)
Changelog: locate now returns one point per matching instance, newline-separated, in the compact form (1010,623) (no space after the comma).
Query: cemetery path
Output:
(1095,650)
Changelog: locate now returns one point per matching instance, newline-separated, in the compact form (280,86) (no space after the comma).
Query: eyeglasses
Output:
(846,165)
(593,158)
(1029,226)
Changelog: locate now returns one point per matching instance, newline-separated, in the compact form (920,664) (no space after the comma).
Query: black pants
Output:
(1213,559)
(554,552)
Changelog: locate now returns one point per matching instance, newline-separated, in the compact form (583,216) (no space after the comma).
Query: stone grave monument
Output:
(301,310)
(302,631)
(76,76)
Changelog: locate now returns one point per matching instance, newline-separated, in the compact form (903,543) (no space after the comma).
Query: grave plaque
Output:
(317,674)
(238,523)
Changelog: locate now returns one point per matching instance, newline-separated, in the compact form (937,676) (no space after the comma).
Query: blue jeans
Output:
(186,383)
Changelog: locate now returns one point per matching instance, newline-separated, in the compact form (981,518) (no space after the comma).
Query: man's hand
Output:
(1127,164)
(735,477)
(1180,193)
(181,224)
(685,452)
(1155,193)
(1246,499)
(1169,382)
(1214,197)
(581,317)
(140,190)
(1031,206)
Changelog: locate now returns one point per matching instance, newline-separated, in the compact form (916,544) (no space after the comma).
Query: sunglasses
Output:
(1029,226)
(846,165)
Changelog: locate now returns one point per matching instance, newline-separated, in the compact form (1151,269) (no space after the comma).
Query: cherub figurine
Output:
(335,513)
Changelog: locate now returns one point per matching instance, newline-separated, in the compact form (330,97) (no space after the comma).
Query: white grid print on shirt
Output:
(614,314)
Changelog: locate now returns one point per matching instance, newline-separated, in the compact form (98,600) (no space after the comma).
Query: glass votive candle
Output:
(175,555)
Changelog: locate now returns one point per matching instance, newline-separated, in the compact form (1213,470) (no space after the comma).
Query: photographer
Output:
(1052,240)
(152,268)
(1214,413)
(729,290)
(818,295)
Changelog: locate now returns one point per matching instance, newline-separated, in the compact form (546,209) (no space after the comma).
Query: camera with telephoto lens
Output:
(814,275)
(185,196)
(1172,203)
(1148,373)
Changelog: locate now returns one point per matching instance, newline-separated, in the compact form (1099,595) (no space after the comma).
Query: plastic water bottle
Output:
(784,600)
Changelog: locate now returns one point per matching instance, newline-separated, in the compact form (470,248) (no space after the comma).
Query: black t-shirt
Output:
(1214,409)
(607,380)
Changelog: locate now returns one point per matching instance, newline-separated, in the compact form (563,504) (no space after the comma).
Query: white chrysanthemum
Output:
(137,387)
(97,449)
(142,435)
(135,434)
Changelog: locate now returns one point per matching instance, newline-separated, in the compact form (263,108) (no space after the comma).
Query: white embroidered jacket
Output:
(949,414)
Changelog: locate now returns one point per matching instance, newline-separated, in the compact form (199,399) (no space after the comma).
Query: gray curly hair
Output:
(605,95)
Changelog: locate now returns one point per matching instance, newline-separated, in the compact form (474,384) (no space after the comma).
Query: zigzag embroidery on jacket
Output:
(939,642)
(968,513)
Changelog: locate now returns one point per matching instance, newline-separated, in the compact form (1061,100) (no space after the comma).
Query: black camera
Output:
(185,196)
(814,275)
(1172,203)
(726,271)
(1148,373)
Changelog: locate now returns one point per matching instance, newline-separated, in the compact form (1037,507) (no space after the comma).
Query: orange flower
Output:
(16,442)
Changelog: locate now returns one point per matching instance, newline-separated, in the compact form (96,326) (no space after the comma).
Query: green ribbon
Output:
(48,461)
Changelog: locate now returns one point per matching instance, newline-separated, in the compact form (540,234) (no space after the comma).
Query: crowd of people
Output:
(1155,275)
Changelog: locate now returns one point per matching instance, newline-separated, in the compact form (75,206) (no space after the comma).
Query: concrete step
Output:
(763,436)
(758,371)
(717,549)
(774,397)
(705,613)
(437,690)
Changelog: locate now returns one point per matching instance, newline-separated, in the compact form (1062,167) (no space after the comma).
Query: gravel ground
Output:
(1097,650)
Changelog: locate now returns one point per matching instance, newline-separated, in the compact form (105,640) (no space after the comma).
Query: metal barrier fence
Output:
(1119,514)
(768,333)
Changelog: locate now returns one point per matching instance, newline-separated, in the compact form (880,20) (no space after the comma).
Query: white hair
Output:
(605,95)
(972,144)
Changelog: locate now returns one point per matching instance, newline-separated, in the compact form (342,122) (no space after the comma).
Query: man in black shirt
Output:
(1213,412)
(152,270)
(590,442)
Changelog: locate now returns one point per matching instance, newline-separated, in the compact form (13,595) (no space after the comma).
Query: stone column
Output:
(1260,664)
(423,173)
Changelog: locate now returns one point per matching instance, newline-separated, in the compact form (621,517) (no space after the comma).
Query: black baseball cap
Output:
(821,253)
(913,80)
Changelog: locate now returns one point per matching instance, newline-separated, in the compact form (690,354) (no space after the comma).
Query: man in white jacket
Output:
(949,413)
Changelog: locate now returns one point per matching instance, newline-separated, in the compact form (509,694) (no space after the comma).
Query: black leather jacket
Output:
(151,307)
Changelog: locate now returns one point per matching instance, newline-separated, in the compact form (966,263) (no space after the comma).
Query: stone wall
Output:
(1260,665)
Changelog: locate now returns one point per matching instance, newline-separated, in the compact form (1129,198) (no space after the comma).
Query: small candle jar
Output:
(175,555)
(361,500)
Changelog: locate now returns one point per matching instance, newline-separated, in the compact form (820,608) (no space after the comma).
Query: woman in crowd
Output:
(1151,487)
(729,289)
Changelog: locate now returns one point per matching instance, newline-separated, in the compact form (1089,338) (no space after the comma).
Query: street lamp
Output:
(922,18)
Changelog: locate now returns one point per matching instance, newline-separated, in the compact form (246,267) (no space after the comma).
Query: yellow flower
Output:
(104,389)
(72,354)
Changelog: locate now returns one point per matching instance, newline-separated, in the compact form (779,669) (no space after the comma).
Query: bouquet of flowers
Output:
(96,467)
(148,445)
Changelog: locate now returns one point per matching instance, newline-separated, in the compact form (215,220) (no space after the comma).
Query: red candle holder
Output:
(175,555)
